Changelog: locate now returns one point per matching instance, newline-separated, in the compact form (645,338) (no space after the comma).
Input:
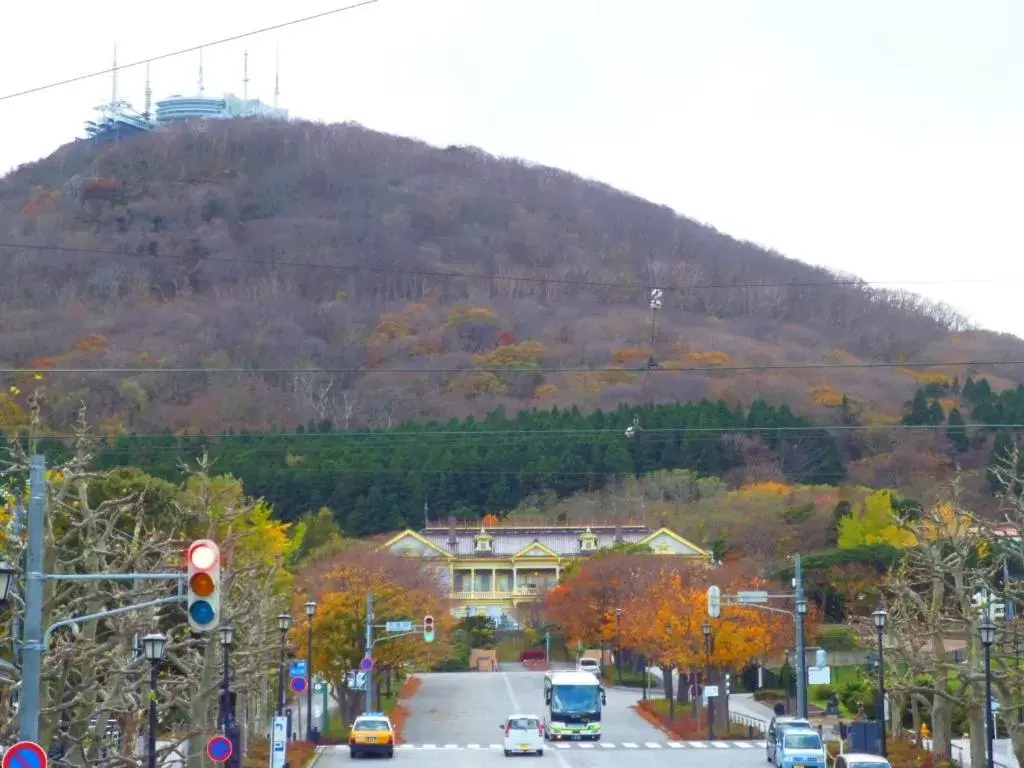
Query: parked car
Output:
(589,665)
(861,760)
(523,734)
(776,728)
(800,748)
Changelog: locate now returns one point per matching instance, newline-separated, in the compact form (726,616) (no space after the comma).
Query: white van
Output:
(589,665)
(523,733)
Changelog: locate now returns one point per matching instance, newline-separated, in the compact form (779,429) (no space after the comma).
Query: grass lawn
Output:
(629,678)
(817,695)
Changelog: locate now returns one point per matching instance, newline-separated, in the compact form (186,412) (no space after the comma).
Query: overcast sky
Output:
(881,138)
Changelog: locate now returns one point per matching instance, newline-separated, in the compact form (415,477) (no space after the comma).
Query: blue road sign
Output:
(219,749)
(297,669)
(366,663)
(298,684)
(24,754)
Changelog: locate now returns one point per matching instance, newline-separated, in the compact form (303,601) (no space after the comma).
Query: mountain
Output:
(396,265)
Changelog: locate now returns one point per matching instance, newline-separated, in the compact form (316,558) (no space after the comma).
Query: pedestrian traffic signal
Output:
(428,629)
(203,585)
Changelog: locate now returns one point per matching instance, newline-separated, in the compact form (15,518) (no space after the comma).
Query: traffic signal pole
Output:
(408,628)
(34,640)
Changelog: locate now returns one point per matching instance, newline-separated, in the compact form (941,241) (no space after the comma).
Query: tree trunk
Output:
(666,676)
(942,725)
(976,718)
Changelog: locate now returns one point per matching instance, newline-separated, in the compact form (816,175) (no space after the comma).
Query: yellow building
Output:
(501,571)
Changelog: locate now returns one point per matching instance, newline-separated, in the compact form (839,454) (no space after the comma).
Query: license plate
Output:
(371,739)
(524,747)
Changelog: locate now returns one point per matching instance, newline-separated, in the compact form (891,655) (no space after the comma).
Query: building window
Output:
(588,541)
(483,541)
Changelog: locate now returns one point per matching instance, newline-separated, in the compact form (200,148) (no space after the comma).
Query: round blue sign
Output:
(366,663)
(219,749)
(298,684)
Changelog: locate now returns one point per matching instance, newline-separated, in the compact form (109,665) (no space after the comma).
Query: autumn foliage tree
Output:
(402,588)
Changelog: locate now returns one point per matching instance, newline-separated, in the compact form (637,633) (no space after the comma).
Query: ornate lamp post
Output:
(153,646)
(987,630)
(284,622)
(310,613)
(880,618)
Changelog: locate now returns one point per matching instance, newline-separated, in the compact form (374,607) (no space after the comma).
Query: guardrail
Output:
(754,725)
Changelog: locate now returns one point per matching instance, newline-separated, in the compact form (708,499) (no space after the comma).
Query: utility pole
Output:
(32,646)
(801,672)
(369,650)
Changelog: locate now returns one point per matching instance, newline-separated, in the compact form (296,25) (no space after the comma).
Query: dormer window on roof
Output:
(588,541)
(483,541)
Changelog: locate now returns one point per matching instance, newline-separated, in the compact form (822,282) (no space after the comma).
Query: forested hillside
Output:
(373,274)
(380,481)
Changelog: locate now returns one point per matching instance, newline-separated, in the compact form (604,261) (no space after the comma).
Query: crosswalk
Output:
(595,745)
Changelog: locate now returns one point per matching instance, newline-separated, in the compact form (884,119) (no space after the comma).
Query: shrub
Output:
(257,753)
(769,694)
(533,654)
(903,753)
(821,692)
(835,638)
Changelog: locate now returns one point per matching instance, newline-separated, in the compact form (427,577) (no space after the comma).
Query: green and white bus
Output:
(572,706)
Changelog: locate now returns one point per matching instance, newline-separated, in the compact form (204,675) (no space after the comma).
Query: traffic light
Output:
(203,585)
(428,629)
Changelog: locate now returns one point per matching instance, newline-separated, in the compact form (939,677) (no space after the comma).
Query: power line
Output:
(520,370)
(231,39)
(853,282)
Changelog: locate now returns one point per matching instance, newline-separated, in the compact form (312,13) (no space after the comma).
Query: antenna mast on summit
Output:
(113,90)
(201,88)
(149,93)
(277,72)
(245,78)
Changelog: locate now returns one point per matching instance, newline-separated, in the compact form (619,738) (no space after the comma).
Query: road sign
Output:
(714,602)
(366,663)
(752,598)
(279,742)
(398,626)
(219,749)
(710,692)
(819,675)
(297,669)
(355,681)
(298,684)
(24,754)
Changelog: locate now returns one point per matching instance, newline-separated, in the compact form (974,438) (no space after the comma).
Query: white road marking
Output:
(743,744)
(586,746)
(629,745)
(561,745)
(698,744)
(430,746)
(451,746)
(719,745)
(652,745)
(675,744)
(472,746)
(496,746)
(606,745)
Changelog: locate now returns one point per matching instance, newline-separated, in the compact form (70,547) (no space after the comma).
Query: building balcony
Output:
(497,594)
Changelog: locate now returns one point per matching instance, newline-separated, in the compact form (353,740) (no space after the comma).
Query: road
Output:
(456,718)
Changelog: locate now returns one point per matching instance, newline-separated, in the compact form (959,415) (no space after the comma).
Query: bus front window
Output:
(572,699)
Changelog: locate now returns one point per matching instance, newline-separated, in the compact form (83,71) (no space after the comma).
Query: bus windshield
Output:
(568,699)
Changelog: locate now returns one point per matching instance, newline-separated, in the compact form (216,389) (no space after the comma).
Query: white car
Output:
(523,734)
(589,665)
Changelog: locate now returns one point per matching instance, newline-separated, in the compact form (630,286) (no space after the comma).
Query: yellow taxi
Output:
(371,734)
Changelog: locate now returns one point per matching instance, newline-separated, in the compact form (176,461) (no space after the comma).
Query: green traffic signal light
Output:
(428,629)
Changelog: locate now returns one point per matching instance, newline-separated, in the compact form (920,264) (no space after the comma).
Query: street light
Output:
(987,630)
(618,647)
(310,612)
(284,621)
(227,639)
(706,629)
(880,617)
(801,660)
(6,579)
(153,646)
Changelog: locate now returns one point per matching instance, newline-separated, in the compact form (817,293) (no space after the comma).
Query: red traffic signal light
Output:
(203,555)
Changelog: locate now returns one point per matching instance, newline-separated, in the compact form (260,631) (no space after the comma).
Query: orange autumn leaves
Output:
(662,606)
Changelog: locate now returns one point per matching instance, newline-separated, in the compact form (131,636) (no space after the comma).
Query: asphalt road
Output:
(455,722)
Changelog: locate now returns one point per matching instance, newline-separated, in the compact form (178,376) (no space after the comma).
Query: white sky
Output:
(877,137)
